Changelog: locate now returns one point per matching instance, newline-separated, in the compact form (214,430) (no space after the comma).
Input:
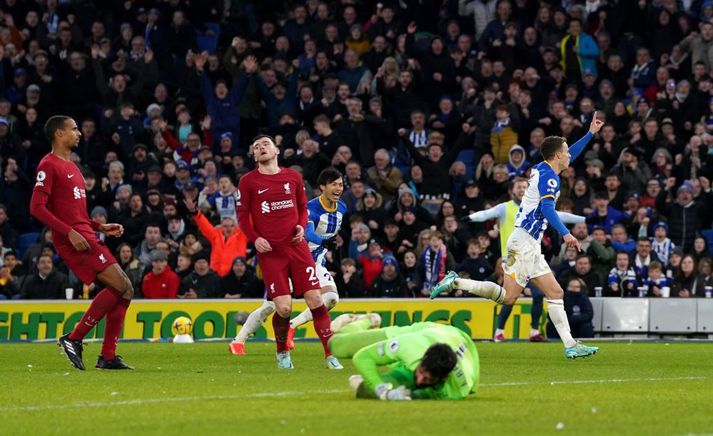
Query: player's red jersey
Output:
(277,203)
(59,201)
(63,182)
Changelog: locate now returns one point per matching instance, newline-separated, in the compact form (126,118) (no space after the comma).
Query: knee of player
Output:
(283,310)
(330,299)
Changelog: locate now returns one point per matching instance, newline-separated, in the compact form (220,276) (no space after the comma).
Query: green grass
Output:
(200,389)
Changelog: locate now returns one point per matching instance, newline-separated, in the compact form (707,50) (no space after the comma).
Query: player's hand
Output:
(596,124)
(299,234)
(384,392)
(112,229)
(262,246)
(572,242)
(190,204)
(330,244)
(78,241)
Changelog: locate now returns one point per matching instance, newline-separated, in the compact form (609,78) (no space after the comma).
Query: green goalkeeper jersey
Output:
(395,360)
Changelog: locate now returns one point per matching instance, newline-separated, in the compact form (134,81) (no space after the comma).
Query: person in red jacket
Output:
(161,281)
(371,262)
(226,242)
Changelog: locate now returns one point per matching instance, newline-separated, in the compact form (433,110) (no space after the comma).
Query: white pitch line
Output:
(141,401)
(591,382)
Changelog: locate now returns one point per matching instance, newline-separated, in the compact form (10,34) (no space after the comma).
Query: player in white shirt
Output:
(524,261)
(325,220)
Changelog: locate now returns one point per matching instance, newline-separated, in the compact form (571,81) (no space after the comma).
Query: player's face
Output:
(518,191)
(70,135)
(564,157)
(424,378)
(264,150)
(333,190)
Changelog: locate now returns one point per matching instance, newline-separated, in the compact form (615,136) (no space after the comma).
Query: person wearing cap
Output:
(202,282)
(161,281)
(390,283)
(661,244)
(505,213)
(471,201)
(227,241)
(241,281)
(685,216)
(578,51)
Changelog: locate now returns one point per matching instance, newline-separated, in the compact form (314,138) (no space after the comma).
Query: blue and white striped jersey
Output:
(544,182)
(322,224)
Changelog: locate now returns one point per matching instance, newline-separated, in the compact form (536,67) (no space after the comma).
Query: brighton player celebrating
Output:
(59,201)
(325,220)
(272,211)
(423,360)
(524,261)
(506,213)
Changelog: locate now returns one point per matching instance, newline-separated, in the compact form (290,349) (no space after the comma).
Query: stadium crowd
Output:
(431,109)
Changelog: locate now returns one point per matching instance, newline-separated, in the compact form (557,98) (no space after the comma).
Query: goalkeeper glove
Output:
(385,391)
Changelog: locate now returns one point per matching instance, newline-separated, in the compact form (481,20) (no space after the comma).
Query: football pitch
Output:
(628,388)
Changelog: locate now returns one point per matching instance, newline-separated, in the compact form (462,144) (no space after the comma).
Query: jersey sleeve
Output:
(548,185)
(244,204)
(40,196)
(301,195)
(407,349)
(313,213)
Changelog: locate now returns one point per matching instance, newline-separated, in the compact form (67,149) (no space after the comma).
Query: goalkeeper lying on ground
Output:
(423,360)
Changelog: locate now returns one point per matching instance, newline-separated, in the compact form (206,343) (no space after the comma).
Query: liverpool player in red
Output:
(59,202)
(272,212)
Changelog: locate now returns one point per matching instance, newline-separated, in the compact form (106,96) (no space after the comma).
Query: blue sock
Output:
(505,314)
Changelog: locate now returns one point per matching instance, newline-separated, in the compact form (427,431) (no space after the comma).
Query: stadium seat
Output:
(208,42)
(25,241)
(708,235)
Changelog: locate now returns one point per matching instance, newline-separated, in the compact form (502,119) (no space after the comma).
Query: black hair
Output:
(551,145)
(54,123)
(439,360)
(263,135)
(328,175)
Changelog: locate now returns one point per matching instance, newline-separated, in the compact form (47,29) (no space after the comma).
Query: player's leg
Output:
(345,344)
(256,318)
(536,313)
(330,297)
(114,278)
(304,279)
(555,304)
(503,316)
(450,282)
(281,321)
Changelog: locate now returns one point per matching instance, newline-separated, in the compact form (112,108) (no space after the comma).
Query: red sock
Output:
(320,317)
(101,305)
(281,326)
(112,331)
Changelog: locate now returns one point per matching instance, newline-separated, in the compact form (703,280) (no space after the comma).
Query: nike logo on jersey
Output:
(260,191)
(69,176)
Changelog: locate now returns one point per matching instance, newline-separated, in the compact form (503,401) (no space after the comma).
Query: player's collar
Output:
(550,165)
(327,208)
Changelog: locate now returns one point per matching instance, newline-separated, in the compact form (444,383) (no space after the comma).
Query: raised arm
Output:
(578,147)
(489,214)
(570,218)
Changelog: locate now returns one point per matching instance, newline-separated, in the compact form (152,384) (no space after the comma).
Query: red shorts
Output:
(87,264)
(291,262)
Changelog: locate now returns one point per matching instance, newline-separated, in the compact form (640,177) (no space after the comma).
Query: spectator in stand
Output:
(390,282)
(46,283)
(241,281)
(349,281)
(622,280)
(161,281)
(383,176)
(202,282)
(371,262)
(130,264)
(685,215)
(226,242)
(604,215)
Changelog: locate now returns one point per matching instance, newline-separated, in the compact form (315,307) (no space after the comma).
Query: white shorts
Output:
(325,278)
(524,259)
